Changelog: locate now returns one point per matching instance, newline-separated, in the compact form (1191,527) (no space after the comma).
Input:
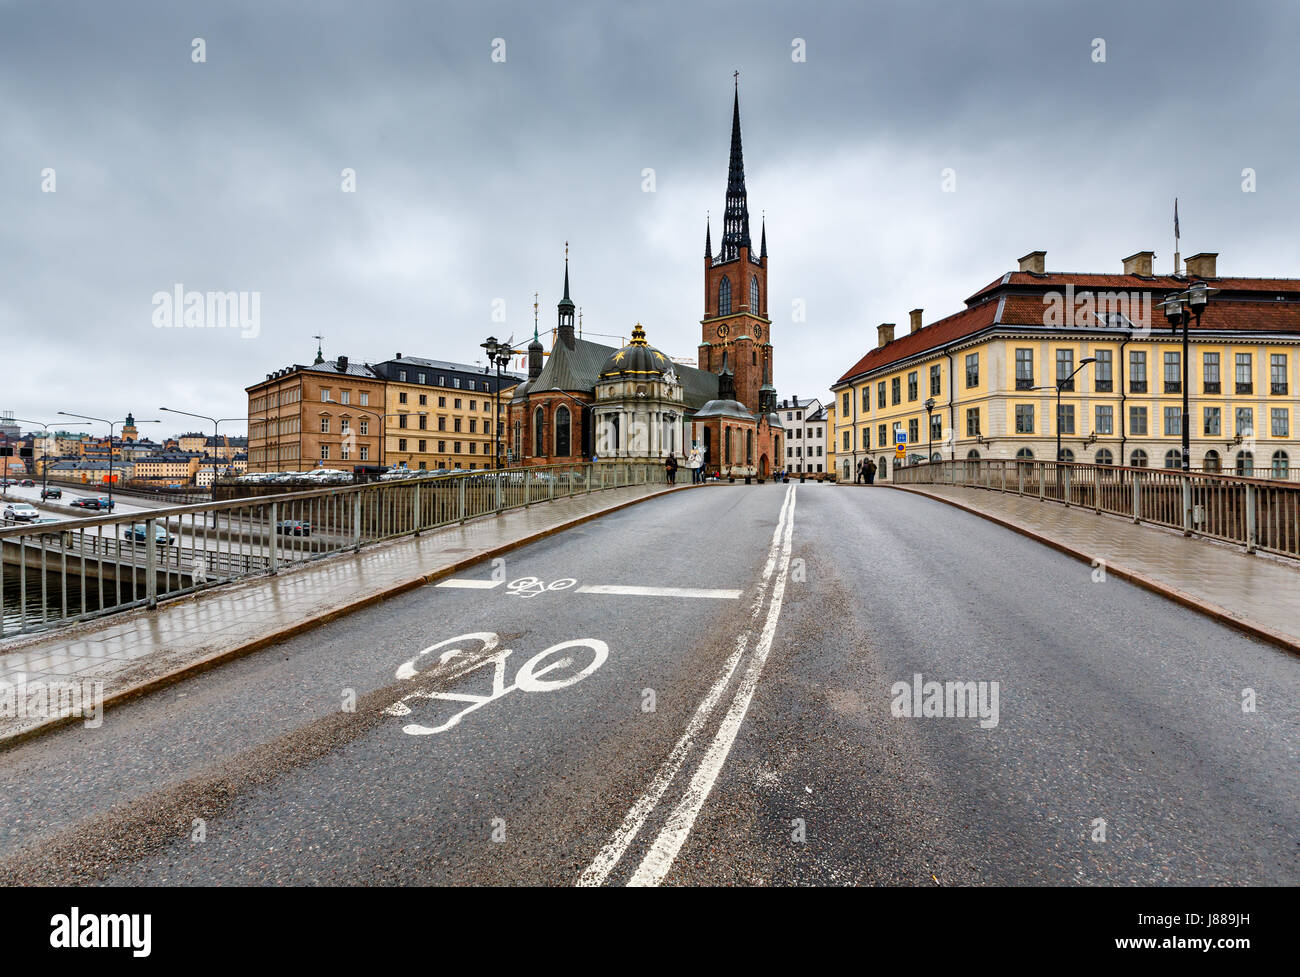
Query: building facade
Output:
(992,372)
(440,414)
(327,415)
(806,432)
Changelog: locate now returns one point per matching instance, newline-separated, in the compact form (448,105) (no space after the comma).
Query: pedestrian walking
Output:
(871,472)
(695,462)
(861,476)
(670,466)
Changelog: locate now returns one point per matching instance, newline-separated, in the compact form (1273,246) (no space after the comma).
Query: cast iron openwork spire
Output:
(735,222)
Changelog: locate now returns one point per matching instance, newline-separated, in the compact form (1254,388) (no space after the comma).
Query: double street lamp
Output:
(45,450)
(929,424)
(111,425)
(216,423)
(498,355)
(1061,384)
(1179,308)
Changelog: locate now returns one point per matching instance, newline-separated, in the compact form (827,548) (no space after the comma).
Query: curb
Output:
(230,654)
(1205,607)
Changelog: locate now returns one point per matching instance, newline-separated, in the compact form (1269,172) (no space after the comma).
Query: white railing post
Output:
(150,563)
(1137,496)
(1066,483)
(1252,527)
(1187,505)
(415,509)
(356,520)
(1096,489)
(272,546)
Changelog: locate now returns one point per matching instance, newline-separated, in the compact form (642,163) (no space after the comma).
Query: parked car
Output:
(52,493)
(140,532)
(29,483)
(93,502)
(293,527)
(20,512)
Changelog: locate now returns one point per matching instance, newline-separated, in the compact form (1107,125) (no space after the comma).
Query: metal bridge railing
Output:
(1257,513)
(55,573)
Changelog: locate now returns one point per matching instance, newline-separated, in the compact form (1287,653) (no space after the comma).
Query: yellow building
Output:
(831,437)
(990,374)
(439,414)
(170,468)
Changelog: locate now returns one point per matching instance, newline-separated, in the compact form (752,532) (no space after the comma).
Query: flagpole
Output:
(1177,256)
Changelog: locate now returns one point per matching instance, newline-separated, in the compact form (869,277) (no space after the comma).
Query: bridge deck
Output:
(1257,591)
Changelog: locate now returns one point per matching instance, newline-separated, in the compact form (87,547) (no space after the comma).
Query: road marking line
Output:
(608,857)
(467,583)
(659,591)
(659,859)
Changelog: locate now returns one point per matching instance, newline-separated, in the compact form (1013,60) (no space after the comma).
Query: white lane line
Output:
(659,591)
(608,857)
(659,859)
(467,583)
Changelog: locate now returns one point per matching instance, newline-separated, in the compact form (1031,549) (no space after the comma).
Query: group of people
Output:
(694,461)
(866,473)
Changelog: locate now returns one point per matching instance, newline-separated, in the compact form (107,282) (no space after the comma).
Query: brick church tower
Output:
(735,320)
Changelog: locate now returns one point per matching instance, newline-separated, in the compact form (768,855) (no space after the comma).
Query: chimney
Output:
(1035,261)
(916,318)
(398,356)
(342,363)
(1139,263)
(1202,265)
(885,334)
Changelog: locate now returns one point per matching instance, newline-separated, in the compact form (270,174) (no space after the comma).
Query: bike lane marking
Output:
(630,591)
(469,583)
(614,850)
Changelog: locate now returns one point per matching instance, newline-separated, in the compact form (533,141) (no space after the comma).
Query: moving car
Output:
(93,502)
(52,493)
(140,532)
(20,512)
(293,527)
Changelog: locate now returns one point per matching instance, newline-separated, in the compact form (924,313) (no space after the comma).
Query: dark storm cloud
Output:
(471,174)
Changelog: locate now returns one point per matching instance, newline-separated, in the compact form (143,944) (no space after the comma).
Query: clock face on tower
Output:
(723,330)
(758,332)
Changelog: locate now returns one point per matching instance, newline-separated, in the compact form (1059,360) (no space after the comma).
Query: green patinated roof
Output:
(577,370)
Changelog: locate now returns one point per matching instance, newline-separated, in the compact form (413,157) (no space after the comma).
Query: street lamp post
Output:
(498,354)
(929,428)
(111,425)
(1060,385)
(216,423)
(1179,309)
(45,468)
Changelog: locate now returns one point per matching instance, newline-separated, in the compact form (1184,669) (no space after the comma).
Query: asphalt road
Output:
(724,716)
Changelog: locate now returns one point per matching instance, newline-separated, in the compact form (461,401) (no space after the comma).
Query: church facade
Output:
(586,400)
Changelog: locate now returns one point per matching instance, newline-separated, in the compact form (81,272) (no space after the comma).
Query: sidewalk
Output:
(1256,594)
(140,650)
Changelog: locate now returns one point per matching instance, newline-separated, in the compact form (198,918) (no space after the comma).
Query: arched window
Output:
(753,295)
(884,466)
(724,296)
(973,454)
(726,446)
(539,431)
(1173,458)
(519,440)
(1104,457)
(1138,459)
(749,447)
(1281,464)
(1212,461)
(1067,454)
(936,457)
(1245,464)
(562,432)
(1025,454)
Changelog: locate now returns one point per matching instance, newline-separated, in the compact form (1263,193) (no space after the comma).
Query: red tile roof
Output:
(1243,304)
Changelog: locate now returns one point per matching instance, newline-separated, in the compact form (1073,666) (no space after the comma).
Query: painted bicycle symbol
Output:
(547,671)
(532,587)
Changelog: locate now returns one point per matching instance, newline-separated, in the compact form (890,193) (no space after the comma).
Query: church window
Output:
(724,296)
(539,430)
(753,295)
(749,447)
(562,432)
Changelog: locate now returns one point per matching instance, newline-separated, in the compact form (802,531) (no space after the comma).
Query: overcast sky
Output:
(226,175)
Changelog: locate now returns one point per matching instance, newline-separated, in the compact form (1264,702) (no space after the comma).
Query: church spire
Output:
(736,219)
(708,237)
(565,308)
(763,248)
